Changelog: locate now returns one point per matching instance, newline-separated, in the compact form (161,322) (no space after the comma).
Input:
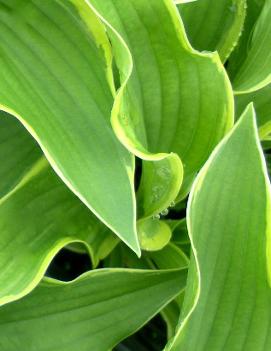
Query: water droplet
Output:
(165,212)
(156,216)
(172,204)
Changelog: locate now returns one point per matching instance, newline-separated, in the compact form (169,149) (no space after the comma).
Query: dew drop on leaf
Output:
(165,212)
(156,216)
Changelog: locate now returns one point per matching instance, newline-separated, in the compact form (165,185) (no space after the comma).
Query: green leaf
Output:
(101,241)
(183,1)
(227,304)
(160,182)
(54,79)
(180,234)
(37,218)
(94,312)
(214,25)
(171,314)
(115,259)
(171,256)
(254,72)
(153,234)
(18,152)
(239,54)
(268,164)
(262,102)
(165,87)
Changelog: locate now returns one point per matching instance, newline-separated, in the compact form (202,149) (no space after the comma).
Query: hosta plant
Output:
(135,149)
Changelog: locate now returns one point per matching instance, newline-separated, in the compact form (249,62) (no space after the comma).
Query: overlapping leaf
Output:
(253,73)
(228,297)
(156,65)
(94,312)
(18,152)
(169,257)
(170,106)
(180,235)
(37,218)
(214,25)
(53,78)
(145,110)
(239,54)
(262,102)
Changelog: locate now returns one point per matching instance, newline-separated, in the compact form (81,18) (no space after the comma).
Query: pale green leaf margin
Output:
(196,187)
(100,40)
